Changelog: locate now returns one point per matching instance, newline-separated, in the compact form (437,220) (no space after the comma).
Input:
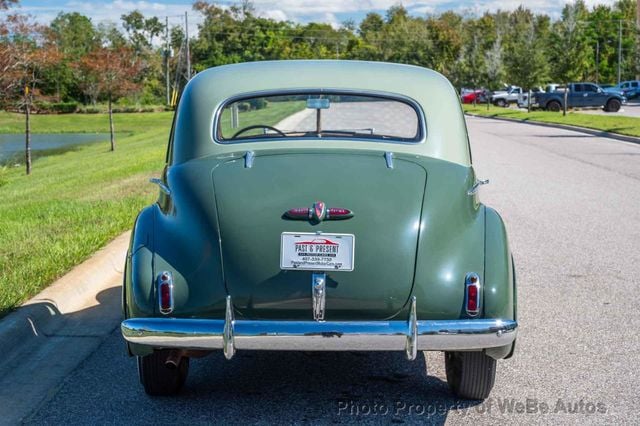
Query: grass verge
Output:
(629,126)
(74,202)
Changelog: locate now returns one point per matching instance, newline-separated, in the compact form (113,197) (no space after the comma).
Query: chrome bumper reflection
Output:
(231,335)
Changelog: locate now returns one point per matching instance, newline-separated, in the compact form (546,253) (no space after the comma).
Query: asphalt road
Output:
(571,203)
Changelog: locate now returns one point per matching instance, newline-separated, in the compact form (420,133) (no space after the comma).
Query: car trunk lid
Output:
(386,201)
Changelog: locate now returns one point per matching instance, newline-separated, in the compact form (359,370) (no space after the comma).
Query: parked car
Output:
(294,213)
(581,95)
(478,96)
(503,98)
(628,89)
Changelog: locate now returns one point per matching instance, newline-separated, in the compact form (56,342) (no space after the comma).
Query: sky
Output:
(330,11)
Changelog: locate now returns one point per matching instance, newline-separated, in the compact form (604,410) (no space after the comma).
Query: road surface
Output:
(571,203)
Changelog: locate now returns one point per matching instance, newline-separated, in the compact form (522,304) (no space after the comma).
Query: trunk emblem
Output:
(318,212)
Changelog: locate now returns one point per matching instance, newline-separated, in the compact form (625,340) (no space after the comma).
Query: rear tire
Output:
(471,375)
(554,106)
(501,103)
(613,105)
(157,378)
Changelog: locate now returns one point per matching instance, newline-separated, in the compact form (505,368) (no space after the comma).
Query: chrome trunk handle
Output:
(476,186)
(163,187)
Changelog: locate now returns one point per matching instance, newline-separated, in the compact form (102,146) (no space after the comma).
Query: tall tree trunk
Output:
(27,132)
(529,101)
(113,140)
(566,97)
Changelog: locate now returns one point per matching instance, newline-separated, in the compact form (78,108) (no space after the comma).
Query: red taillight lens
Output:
(472,297)
(165,293)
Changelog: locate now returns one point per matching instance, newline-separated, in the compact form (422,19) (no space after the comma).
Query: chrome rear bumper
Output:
(230,335)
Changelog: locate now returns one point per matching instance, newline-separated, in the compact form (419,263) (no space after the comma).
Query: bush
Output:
(258,103)
(56,107)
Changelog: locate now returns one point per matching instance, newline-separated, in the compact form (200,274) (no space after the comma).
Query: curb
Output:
(592,132)
(76,290)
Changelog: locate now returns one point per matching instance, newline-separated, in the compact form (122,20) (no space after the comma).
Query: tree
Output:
(6,4)
(72,35)
(526,60)
(140,30)
(24,52)
(112,73)
(570,51)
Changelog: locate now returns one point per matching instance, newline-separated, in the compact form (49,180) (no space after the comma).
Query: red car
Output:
(477,96)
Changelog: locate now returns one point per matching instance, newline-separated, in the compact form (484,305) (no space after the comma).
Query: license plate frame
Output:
(312,251)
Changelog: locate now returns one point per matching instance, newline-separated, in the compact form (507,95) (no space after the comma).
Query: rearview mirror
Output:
(318,103)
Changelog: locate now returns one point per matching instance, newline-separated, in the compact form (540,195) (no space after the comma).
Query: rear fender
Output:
(499,277)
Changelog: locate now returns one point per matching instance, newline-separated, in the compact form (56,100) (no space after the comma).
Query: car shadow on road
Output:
(329,386)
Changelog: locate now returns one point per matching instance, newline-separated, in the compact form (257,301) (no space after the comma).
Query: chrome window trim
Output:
(422,126)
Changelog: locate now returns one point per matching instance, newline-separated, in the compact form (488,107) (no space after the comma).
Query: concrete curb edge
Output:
(74,291)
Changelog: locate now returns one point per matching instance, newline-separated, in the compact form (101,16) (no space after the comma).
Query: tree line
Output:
(504,47)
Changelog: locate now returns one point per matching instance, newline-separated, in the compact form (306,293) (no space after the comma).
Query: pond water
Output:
(12,145)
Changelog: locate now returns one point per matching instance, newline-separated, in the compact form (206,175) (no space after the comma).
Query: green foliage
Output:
(56,107)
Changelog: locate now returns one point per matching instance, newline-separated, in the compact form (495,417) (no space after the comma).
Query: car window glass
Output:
(578,88)
(319,116)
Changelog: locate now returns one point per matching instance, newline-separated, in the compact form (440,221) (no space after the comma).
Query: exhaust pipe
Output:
(173,359)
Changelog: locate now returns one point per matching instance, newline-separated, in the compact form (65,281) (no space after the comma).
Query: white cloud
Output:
(329,11)
(275,14)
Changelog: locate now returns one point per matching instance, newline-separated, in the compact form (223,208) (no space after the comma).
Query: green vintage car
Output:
(319,206)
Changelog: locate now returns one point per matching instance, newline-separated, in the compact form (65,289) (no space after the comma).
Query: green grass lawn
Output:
(629,126)
(74,202)
(81,123)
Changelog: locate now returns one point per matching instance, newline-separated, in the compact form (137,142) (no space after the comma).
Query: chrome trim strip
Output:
(476,186)
(164,188)
(207,334)
(228,334)
(318,292)
(411,348)
(388,156)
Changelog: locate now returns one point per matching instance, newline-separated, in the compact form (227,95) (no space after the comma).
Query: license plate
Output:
(317,252)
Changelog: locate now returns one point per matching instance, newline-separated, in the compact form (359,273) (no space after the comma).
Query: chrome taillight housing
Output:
(165,292)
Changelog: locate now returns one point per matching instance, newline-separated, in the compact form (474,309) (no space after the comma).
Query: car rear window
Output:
(318,116)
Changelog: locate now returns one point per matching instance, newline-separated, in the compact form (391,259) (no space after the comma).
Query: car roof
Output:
(446,135)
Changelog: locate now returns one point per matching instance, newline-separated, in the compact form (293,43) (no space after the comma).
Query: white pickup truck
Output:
(503,98)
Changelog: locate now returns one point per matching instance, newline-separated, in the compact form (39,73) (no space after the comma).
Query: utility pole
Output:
(166,59)
(619,47)
(188,53)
